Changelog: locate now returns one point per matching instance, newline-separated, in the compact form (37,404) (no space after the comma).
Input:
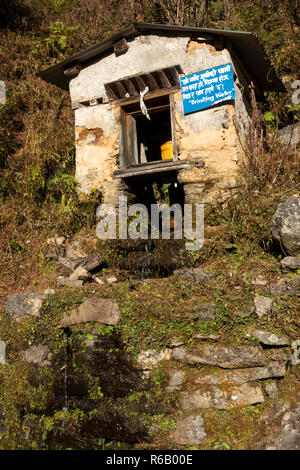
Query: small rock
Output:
(56,247)
(111,280)
(194,275)
(90,262)
(295,283)
(80,273)
(65,281)
(65,266)
(290,263)
(271,390)
(39,354)
(189,431)
(19,306)
(55,252)
(81,246)
(176,380)
(207,337)
(227,357)
(268,338)
(282,289)
(2,352)
(150,358)
(222,398)
(259,282)
(175,342)
(263,305)
(98,280)
(204,313)
(56,241)
(96,309)
(49,291)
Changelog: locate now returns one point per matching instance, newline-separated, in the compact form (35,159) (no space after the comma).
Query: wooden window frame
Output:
(128,144)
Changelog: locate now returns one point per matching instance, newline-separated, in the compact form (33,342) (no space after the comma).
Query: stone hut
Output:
(114,85)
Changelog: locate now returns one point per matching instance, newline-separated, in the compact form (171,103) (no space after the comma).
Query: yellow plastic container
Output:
(167,150)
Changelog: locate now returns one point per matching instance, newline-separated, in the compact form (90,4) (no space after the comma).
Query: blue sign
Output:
(204,89)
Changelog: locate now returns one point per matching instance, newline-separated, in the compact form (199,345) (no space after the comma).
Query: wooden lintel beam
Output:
(110,93)
(130,87)
(121,89)
(175,75)
(164,79)
(141,84)
(152,82)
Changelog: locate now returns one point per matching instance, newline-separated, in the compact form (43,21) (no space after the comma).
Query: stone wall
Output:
(209,135)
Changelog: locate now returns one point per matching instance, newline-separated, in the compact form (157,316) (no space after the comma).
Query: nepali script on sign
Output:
(203,89)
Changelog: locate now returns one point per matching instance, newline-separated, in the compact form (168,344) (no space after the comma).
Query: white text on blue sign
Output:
(203,89)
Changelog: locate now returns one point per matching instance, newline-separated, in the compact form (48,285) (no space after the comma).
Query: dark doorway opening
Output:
(151,134)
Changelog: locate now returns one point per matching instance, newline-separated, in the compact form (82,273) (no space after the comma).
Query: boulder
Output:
(286,226)
(290,264)
(221,398)
(240,376)
(227,357)
(290,135)
(38,354)
(268,338)
(66,266)
(2,352)
(96,309)
(189,431)
(20,306)
(178,379)
(263,305)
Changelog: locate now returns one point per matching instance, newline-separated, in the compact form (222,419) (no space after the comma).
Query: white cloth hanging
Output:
(142,104)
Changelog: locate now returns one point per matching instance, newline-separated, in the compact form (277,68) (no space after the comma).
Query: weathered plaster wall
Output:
(208,135)
(211,135)
(97,150)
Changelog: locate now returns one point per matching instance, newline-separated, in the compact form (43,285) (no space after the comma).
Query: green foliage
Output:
(58,39)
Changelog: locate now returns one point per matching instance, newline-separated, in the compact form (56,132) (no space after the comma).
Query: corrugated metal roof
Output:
(246,45)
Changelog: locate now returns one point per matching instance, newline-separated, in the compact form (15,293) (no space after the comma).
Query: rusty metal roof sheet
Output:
(246,45)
